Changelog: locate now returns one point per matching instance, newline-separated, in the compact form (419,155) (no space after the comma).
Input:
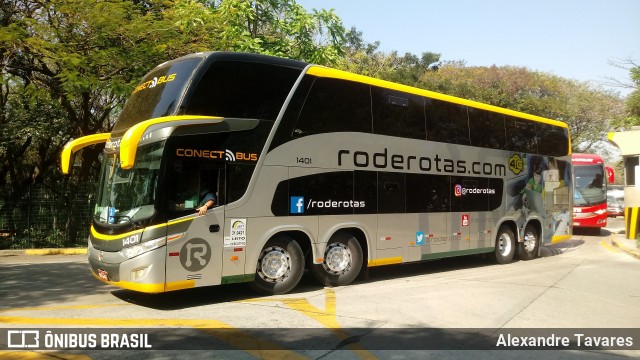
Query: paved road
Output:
(580,284)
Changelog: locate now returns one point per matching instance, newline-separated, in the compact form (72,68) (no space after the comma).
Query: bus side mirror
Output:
(610,174)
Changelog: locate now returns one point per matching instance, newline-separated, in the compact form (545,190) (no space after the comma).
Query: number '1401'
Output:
(304,160)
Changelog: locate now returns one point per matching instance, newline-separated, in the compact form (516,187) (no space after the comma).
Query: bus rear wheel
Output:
(505,245)
(280,267)
(342,261)
(528,249)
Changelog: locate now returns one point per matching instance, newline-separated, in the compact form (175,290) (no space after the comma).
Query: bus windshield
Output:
(590,188)
(158,93)
(128,196)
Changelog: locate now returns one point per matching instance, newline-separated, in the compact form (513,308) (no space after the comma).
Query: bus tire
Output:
(505,245)
(280,267)
(528,248)
(342,261)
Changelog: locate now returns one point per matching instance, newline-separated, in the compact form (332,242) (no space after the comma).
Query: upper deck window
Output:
(334,105)
(242,89)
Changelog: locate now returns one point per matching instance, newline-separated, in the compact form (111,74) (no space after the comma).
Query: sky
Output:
(574,39)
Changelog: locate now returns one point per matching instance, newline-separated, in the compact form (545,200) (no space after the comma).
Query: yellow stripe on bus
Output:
(130,139)
(74,145)
(105,237)
(385,261)
(557,239)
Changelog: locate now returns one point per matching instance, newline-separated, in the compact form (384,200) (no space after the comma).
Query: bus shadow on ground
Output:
(561,248)
(184,299)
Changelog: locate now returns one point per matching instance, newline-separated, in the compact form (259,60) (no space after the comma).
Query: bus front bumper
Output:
(589,220)
(143,273)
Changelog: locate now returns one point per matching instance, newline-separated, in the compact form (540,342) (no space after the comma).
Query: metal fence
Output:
(46,218)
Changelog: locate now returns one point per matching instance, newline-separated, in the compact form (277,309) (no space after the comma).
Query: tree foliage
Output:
(633,101)
(365,59)
(281,28)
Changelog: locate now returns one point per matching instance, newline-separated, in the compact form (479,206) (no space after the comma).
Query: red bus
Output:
(590,190)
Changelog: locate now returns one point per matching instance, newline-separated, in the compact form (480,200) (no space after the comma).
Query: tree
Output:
(632,101)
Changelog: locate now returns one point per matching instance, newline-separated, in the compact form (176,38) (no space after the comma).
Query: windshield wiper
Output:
(586,199)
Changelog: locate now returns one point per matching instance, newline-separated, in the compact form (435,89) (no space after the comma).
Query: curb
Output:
(625,247)
(39,252)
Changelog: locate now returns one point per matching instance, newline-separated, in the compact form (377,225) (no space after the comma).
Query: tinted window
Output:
(427,193)
(487,129)
(365,189)
(552,140)
(158,94)
(242,89)
(521,135)
(447,122)
(284,131)
(398,114)
(391,193)
(335,105)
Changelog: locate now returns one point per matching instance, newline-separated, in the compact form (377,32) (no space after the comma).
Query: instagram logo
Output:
(457,190)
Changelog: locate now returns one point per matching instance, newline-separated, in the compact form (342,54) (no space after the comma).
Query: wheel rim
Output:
(529,242)
(275,264)
(504,244)
(337,259)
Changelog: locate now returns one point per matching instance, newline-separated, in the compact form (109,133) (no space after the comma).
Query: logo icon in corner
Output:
(297,205)
(22,339)
(516,164)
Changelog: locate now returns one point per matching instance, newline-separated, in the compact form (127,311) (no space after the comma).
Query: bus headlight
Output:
(144,247)
(601,211)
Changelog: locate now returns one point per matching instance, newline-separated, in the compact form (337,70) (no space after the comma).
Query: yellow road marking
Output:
(63,307)
(196,323)
(327,317)
(605,244)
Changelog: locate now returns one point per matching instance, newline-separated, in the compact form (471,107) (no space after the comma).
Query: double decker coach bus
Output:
(590,190)
(316,168)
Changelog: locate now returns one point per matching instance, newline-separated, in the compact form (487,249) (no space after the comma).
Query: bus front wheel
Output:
(342,261)
(280,267)
(505,245)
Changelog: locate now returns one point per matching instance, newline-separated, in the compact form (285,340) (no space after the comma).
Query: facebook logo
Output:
(297,205)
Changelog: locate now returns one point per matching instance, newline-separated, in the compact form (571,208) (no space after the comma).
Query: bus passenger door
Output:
(396,231)
(195,242)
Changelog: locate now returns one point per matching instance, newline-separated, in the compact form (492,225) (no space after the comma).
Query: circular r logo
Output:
(195,254)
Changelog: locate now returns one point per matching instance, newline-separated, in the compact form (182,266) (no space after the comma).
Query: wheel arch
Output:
(537,225)
(511,224)
(299,234)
